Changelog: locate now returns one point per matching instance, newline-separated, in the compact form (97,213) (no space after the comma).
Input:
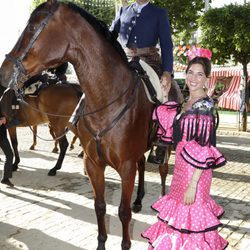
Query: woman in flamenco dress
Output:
(188,218)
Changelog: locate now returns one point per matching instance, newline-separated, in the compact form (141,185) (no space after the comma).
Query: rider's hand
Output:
(166,84)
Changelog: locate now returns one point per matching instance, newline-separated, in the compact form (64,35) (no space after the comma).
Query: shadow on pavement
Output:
(30,239)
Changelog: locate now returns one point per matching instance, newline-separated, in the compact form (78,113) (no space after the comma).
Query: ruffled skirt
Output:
(186,227)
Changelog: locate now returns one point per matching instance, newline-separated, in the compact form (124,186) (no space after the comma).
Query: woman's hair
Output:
(203,61)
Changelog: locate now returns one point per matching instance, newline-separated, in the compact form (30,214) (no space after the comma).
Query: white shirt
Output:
(139,7)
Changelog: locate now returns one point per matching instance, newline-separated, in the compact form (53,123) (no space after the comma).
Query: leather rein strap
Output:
(98,135)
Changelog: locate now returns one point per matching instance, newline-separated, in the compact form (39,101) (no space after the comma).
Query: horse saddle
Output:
(150,79)
(34,88)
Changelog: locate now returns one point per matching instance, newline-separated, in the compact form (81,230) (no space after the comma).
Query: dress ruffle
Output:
(198,217)
(164,115)
(161,237)
(202,157)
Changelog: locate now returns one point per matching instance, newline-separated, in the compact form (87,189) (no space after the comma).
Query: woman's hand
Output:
(189,196)
(2,121)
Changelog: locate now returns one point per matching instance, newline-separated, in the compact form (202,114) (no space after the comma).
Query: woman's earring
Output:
(205,85)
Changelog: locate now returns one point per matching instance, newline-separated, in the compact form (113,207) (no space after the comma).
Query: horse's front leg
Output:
(127,173)
(96,176)
(14,143)
(137,205)
(63,144)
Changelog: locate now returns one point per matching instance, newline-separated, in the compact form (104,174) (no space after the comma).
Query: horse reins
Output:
(66,116)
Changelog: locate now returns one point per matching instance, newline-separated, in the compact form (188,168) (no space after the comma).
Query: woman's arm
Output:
(189,196)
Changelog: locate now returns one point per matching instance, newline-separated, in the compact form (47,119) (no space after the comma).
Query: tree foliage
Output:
(102,9)
(183,16)
(226,31)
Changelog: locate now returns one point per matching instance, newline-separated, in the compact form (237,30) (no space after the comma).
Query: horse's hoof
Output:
(126,246)
(55,150)
(14,168)
(32,147)
(136,208)
(52,172)
(101,246)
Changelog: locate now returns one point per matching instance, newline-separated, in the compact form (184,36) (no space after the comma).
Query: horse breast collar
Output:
(99,134)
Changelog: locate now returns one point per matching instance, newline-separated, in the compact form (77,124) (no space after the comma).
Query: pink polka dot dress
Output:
(189,227)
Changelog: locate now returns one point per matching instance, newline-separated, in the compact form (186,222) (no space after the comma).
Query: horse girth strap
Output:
(98,136)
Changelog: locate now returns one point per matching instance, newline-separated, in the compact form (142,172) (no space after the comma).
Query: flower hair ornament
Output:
(202,52)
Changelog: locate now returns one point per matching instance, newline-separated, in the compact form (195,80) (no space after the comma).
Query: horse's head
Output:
(35,50)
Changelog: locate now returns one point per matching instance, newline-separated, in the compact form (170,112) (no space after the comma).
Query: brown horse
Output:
(116,120)
(43,109)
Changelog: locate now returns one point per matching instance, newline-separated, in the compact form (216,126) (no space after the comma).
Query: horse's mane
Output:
(100,27)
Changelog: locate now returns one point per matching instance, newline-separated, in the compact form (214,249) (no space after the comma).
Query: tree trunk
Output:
(246,98)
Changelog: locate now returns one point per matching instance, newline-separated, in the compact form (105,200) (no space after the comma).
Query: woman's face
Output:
(196,78)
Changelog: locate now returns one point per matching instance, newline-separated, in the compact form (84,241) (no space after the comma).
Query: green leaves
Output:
(183,16)
(227,32)
(101,9)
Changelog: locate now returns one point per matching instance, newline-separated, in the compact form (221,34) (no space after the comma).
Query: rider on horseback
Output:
(140,26)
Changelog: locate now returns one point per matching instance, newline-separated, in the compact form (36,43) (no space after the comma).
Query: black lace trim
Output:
(206,164)
(193,118)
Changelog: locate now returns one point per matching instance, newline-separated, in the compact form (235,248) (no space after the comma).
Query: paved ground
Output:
(47,213)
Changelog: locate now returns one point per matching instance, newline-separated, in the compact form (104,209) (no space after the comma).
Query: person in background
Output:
(5,146)
(187,215)
(140,26)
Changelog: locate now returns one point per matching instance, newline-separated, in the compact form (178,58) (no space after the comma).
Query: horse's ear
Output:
(51,2)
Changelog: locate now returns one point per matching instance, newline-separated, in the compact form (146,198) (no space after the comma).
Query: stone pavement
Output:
(47,213)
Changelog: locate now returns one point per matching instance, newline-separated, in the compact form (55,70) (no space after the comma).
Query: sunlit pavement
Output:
(44,212)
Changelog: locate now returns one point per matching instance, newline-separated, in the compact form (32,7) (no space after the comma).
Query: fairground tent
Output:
(232,77)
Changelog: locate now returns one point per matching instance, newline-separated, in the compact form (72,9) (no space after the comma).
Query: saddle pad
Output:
(33,89)
(154,79)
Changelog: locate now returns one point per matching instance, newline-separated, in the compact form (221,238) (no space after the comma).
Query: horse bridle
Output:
(19,71)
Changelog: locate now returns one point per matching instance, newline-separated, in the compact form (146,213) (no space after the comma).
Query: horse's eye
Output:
(31,28)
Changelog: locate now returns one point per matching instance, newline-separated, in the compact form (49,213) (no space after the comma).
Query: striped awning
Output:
(231,99)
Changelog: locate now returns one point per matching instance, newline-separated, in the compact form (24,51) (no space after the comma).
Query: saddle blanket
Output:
(154,79)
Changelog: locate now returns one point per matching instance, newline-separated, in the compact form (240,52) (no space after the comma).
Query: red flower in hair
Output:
(202,52)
